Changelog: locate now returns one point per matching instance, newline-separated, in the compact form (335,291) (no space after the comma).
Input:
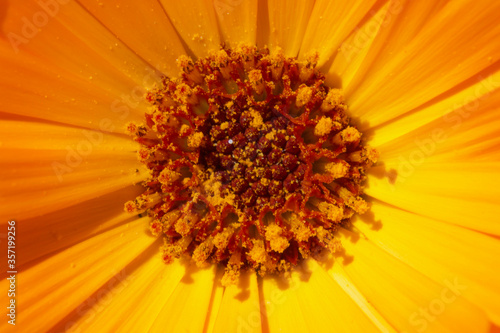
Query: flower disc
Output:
(253,160)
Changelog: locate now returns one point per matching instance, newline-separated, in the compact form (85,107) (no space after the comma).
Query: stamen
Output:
(307,68)
(255,77)
(187,66)
(277,60)
(325,126)
(335,98)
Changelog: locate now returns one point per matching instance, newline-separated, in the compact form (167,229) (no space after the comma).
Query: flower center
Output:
(253,161)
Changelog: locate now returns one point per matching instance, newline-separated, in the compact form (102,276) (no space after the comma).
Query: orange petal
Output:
(355,49)
(43,181)
(56,94)
(156,40)
(455,45)
(196,23)
(237,21)
(52,232)
(74,31)
(288,23)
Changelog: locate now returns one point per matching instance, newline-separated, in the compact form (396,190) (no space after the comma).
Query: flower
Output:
(420,79)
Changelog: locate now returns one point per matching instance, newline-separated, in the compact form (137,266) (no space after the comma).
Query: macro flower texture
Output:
(250,166)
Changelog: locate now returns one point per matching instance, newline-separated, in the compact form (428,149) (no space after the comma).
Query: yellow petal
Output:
(63,282)
(454,113)
(280,298)
(191,296)
(215,302)
(113,308)
(323,306)
(401,23)
(354,49)
(448,250)
(241,304)
(460,194)
(406,298)
(330,23)
(339,275)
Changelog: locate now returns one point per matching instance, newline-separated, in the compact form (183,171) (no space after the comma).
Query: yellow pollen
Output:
(356,203)
(308,66)
(168,177)
(184,225)
(325,126)
(301,231)
(185,94)
(202,252)
(255,78)
(186,64)
(222,62)
(257,120)
(337,170)
(332,212)
(232,270)
(334,98)
(276,240)
(184,129)
(348,135)
(271,135)
(247,55)
(212,188)
(277,60)
(304,95)
(195,139)
(222,238)
(327,238)
(258,252)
